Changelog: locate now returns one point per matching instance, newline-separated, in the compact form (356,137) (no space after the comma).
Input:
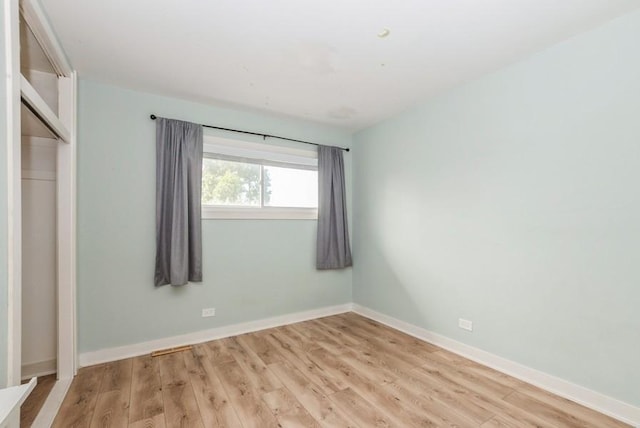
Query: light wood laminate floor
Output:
(339,371)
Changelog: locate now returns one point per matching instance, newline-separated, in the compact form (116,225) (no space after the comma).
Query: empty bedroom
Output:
(320,214)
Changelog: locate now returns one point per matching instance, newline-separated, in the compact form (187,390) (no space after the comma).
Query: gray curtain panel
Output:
(333,250)
(178,188)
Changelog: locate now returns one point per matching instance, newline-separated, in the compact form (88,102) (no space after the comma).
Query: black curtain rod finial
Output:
(153,117)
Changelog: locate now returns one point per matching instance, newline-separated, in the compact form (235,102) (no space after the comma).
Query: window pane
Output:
(289,187)
(230,183)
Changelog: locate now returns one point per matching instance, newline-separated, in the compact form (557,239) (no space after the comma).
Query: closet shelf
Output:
(35,102)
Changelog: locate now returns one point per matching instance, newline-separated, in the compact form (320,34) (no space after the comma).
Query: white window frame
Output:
(269,153)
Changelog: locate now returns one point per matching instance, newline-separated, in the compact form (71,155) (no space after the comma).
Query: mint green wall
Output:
(252,268)
(3,210)
(514,202)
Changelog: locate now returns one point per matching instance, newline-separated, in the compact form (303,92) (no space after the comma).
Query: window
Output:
(258,181)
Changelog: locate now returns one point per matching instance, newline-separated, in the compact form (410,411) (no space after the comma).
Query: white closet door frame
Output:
(14,194)
(44,34)
(66,217)
(66,188)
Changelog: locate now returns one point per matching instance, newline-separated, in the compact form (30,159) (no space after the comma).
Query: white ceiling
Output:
(313,59)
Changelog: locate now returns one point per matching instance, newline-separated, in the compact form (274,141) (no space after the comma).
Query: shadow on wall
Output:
(414,304)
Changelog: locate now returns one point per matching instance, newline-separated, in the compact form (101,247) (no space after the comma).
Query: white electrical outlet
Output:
(465,324)
(208,312)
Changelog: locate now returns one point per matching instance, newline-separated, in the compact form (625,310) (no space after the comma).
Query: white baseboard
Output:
(41,368)
(602,403)
(52,404)
(134,350)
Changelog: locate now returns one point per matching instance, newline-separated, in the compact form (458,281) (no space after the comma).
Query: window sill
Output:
(267,213)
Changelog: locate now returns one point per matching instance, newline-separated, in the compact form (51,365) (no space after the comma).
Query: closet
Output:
(41,164)
(38,187)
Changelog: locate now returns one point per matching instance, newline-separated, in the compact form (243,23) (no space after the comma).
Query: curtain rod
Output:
(346,149)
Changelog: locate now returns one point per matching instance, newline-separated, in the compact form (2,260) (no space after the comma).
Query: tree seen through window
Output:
(233,183)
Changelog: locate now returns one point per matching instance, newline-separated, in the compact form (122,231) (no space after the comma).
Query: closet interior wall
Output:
(39,237)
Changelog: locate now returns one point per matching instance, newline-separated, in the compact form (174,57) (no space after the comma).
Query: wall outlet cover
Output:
(208,312)
(465,324)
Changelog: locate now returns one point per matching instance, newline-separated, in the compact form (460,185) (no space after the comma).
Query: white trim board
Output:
(37,21)
(127,351)
(14,194)
(594,400)
(40,368)
(31,141)
(52,404)
(66,176)
(32,174)
(33,99)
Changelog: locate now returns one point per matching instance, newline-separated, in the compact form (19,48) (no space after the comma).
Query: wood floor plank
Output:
(366,364)
(219,352)
(326,324)
(383,360)
(552,414)
(117,375)
(111,410)
(309,330)
(256,370)
(384,344)
(287,410)
(180,406)
(498,422)
(77,408)
(364,413)
(146,390)
(473,402)
(570,407)
(300,359)
(311,397)
(251,410)
(447,393)
(213,402)
(373,329)
(401,411)
(437,412)
(445,407)
(376,329)
(467,379)
(322,337)
(112,407)
(453,360)
(296,338)
(339,333)
(440,386)
(263,349)
(156,421)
